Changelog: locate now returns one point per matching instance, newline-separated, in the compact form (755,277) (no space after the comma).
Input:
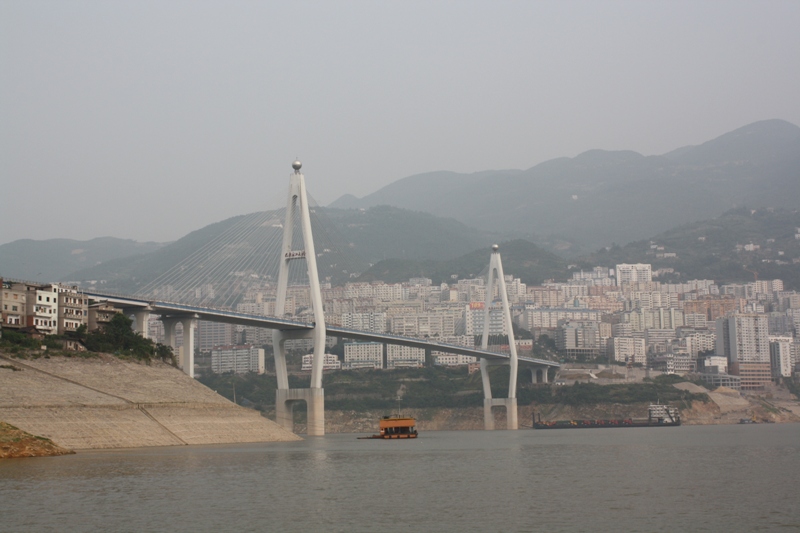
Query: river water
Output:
(690,478)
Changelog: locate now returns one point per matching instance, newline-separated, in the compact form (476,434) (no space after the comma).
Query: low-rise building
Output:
(13,304)
(674,363)
(404,356)
(329,362)
(73,309)
(101,314)
(715,380)
(451,359)
(363,355)
(715,364)
(41,312)
(238,359)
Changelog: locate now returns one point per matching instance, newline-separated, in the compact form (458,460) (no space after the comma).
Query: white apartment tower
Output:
(780,348)
(744,338)
(633,273)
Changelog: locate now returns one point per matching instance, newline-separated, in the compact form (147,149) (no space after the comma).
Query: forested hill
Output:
(358,238)
(521,258)
(599,197)
(714,249)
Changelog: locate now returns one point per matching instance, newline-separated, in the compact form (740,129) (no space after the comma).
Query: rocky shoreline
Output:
(15,443)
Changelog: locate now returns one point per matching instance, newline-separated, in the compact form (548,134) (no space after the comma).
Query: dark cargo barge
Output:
(657,416)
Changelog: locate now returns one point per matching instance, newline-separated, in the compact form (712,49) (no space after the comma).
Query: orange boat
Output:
(396,427)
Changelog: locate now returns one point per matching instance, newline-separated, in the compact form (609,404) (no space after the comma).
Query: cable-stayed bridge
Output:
(142,308)
(233,266)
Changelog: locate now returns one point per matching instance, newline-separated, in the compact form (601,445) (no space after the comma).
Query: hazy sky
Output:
(149,119)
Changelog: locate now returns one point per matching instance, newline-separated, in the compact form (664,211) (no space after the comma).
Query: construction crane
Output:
(755,274)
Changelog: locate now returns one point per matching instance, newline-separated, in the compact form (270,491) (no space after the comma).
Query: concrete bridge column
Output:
(510,405)
(488,417)
(315,409)
(187,361)
(286,398)
(140,322)
(169,336)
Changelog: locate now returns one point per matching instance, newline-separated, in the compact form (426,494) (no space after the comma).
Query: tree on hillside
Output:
(118,338)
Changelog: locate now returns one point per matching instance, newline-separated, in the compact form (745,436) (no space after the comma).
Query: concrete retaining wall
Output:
(108,403)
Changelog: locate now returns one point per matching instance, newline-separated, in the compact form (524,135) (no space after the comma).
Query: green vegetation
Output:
(118,338)
(708,249)
(22,345)
(437,387)
(591,393)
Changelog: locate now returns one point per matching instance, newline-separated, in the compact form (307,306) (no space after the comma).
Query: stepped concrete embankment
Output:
(104,402)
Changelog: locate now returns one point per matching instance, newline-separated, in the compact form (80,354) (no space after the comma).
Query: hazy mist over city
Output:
(510,220)
(147,120)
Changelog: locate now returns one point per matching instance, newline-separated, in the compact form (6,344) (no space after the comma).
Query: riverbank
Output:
(15,443)
(105,402)
(724,407)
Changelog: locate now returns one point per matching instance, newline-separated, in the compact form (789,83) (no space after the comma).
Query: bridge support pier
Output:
(314,396)
(186,353)
(315,409)
(187,361)
(141,320)
(538,374)
(510,404)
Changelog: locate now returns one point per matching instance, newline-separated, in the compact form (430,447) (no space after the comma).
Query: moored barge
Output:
(657,416)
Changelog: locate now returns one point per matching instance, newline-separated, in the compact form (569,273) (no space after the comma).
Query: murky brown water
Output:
(692,478)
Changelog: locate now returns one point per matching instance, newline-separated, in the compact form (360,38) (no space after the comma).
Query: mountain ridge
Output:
(50,259)
(591,198)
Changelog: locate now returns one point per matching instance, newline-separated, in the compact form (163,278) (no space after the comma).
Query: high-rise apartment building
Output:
(780,352)
(633,273)
(629,350)
(744,340)
(579,339)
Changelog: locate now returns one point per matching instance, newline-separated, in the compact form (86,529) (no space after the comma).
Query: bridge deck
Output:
(244,319)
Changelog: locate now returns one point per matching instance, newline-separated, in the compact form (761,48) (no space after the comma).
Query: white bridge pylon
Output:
(510,403)
(314,396)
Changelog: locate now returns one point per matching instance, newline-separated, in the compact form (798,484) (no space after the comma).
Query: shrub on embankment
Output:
(115,338)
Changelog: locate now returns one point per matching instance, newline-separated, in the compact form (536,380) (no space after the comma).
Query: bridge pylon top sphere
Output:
(297,165)
(495,248)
